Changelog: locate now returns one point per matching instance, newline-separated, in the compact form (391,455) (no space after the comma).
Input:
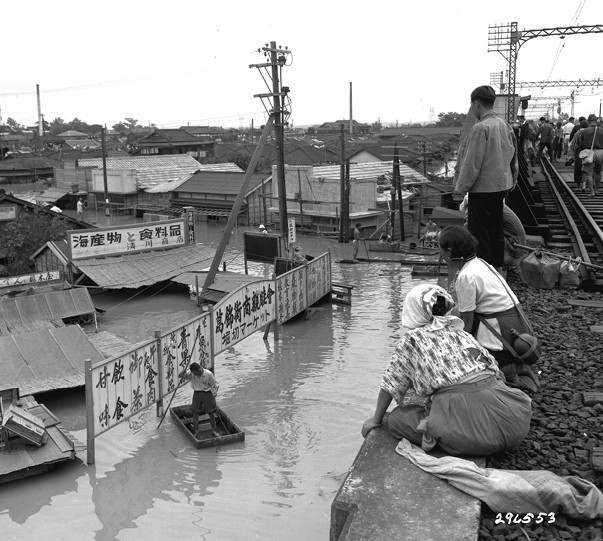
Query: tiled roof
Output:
(73,133)
(171,185)
(20,163)
(150,170)
(146,268)
(219,183)
(367,171)
(169,136)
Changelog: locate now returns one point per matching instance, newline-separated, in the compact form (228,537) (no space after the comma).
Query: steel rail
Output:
(574,234)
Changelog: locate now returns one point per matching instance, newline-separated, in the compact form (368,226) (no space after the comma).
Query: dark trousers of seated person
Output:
(485,222)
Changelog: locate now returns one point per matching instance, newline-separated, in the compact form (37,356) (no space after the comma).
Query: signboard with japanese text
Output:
(291,298)
(291,231)
(319,277)
(8,212)
(189,216)
(243,312)
(124,385)
(183,345)
(126,239)
(28,279)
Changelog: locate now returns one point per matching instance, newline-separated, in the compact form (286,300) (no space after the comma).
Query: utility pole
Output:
(279,131)
(341,184)
(40,118)
(351,115)
(277,60)
(507,40)
(397,186)
(107,206)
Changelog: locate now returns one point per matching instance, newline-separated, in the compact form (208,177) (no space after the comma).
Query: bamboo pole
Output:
(566,258)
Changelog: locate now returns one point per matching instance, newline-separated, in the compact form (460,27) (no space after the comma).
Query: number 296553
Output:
(527,518)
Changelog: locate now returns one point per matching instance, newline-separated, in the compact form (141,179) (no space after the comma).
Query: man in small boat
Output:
(205,389)
(298,254)
(263,229)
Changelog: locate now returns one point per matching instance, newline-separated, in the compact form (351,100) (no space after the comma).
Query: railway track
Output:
(575,219)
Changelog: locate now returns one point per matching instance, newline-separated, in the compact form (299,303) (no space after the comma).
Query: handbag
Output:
(525,347)
(587,155)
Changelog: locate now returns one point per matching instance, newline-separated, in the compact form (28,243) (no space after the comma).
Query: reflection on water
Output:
(301,403)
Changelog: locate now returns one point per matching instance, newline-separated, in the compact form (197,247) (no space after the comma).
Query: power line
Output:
(92,86)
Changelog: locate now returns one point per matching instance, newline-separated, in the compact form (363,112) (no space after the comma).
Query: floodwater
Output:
(301,402)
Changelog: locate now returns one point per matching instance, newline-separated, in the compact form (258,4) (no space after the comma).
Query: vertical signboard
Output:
(189,216)
(291,231)
(124,385)
(243,312)
(319,278)
(189,343)
(291,298)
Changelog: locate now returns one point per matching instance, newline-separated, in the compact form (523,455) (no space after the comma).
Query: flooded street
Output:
(301,402)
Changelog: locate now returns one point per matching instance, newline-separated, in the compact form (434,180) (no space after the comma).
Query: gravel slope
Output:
(564,431)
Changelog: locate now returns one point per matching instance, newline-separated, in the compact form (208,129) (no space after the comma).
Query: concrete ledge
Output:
(384,497)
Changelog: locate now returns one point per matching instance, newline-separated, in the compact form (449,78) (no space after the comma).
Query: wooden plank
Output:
(590,304)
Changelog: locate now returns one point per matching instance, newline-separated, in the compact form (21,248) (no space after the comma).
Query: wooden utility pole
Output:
(104,151)
(341,183)
(40,117)
(279,134)
(351,116)
(397,186)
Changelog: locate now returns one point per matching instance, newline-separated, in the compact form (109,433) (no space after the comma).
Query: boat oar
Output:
(177,386)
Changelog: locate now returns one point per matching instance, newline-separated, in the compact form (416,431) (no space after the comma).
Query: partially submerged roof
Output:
(56,306)
(219,183)
(146,268)
(171,185)
(45,360)
(52,195)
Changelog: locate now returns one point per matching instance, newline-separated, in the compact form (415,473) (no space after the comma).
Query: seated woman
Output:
(470,410)
(485,300)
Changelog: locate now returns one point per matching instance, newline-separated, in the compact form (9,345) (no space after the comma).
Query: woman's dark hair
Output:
(439,308)
(462,244)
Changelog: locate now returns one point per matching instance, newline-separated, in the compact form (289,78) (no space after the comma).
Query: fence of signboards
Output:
(118,388)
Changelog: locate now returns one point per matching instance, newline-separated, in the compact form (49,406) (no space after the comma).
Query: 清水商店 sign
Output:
(126,239)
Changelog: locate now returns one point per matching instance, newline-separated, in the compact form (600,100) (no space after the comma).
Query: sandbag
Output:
(569,275)
(538,270)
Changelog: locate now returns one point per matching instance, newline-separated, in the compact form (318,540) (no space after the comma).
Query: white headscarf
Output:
(418,309)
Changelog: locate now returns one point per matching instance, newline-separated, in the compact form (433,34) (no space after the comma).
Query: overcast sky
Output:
(173,63)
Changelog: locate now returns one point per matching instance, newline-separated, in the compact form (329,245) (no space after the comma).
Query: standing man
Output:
(591,137)
(567,130)
(205,389)
(487,169)
(80,209)
(546,134)
(357,238)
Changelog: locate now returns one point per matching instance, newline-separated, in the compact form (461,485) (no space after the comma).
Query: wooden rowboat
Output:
(228,431)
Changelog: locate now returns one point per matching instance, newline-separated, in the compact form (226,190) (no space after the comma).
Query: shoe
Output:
(215,434)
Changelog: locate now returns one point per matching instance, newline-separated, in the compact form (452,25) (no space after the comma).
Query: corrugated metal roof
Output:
(367,171)
(57,305)
(52,195)
(47,359)
(146,268)
(141,162)
(171,185)
(219,183)
(150,170)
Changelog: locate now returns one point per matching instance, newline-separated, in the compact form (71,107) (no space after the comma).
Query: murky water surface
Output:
(301,403)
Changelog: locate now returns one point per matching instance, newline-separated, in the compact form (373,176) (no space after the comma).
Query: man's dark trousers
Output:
(485,222)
